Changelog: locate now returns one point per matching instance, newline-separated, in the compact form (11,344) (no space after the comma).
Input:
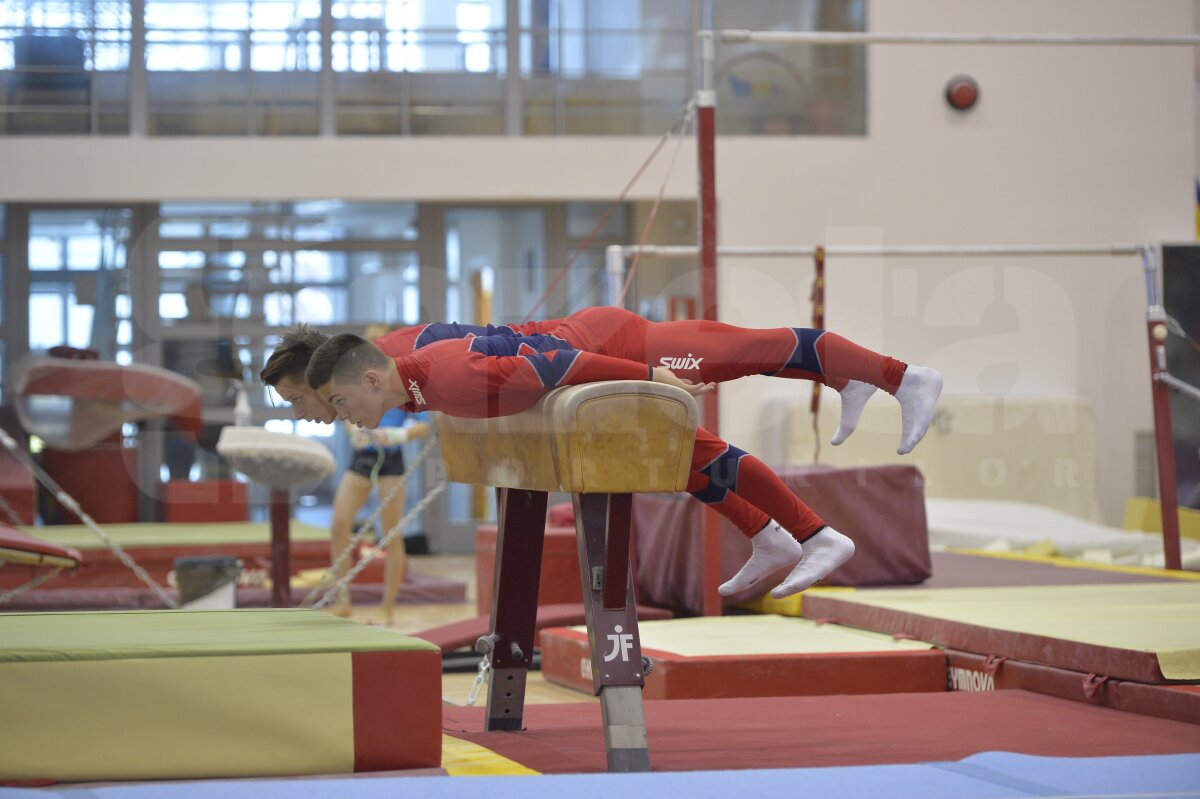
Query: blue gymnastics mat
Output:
(991,775)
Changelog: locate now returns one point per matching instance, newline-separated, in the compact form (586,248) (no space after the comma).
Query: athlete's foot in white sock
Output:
(918,396)
(823,553)
(854,399)
(774,549)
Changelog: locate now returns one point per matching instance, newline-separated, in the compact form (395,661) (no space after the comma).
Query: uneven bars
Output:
(851,37)
(888,250)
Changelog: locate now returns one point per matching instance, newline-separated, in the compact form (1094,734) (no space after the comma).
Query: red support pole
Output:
(711,604)
(281,558)
(1164,442)
(818,315)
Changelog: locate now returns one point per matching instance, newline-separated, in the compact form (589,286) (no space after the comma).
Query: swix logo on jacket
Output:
(415,390)
(685,363)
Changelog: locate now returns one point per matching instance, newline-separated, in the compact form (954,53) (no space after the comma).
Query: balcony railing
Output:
(368,80)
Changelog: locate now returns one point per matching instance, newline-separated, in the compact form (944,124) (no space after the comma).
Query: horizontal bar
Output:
(853,37)
(888,250)
(1179,385)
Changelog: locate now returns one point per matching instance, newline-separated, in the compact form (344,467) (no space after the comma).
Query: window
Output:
(77,278)
(67,62)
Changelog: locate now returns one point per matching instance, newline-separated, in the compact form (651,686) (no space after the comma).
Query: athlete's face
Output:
(306,403)
(362,403)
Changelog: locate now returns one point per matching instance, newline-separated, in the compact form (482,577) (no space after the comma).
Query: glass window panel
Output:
(320,306)
(79,323)
(232,259)
(175,259)
(316,266)
(124,332)
(791,89)
(172,306)
(180,230)
(583,216)
(80,239)
(45,320)
(45,253)
(83,252)
(229,229)
(278,308)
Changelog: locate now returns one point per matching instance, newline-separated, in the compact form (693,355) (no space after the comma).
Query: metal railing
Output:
(368,79)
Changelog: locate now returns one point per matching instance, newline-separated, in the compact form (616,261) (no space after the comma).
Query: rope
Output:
(687,110)
(13,516)
(369,524)
(29,586)
(689,114)
(70,504)
(344,582)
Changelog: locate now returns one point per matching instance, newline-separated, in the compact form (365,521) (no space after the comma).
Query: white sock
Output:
(823,553)
(854,399)
(774,549)
(918,396)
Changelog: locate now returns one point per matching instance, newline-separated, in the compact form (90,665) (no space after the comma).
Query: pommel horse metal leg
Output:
(521,530)
(602,524)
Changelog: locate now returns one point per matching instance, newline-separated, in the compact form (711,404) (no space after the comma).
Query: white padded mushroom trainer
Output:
(277,460)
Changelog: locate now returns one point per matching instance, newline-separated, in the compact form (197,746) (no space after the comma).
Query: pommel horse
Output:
(600,442)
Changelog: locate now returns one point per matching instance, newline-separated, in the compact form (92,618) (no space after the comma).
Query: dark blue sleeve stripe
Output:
(552,368)
(805,356)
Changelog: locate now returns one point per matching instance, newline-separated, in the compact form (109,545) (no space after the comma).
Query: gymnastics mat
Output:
(974,568)
(974,672)
(464,634)
(21,549)
(215,693)
(822,731)
(990,775)
(749,656)
(1144,632)
(155,545)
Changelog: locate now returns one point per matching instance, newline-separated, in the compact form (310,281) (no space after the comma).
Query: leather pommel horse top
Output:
(621,436)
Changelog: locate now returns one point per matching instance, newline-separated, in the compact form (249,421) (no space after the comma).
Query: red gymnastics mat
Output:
(813,731)
(416,588)
(972,672)
(742,656)
(1142,632)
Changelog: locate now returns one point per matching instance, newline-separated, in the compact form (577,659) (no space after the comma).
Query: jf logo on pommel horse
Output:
(600,442)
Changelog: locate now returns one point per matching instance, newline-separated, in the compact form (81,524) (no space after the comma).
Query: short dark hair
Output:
(344,357)
(291,357)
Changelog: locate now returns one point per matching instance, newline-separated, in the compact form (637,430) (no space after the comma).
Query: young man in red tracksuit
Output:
(705,351)
(497,375)
(285,369)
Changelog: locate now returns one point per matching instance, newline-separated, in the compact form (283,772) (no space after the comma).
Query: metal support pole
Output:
(281,556)
(521,531)
(327,94)
(862,37)
(514,111)
(706,133)
(138,114)
(618,672)
(1164,439)
(614,267)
